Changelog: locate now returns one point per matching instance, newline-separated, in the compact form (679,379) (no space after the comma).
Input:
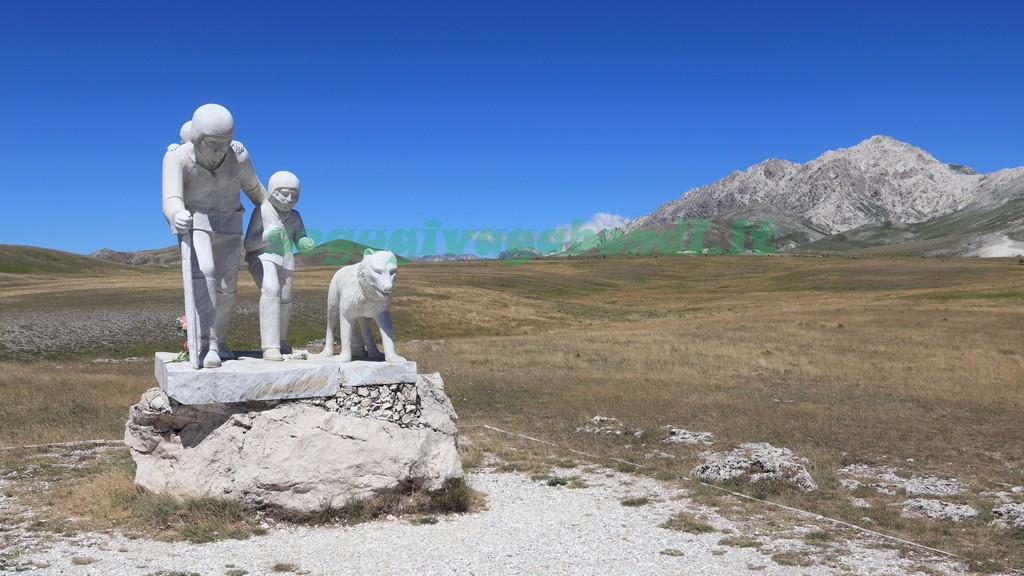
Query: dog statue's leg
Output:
(345,330)
(371,347)
(332,312)
(387,337)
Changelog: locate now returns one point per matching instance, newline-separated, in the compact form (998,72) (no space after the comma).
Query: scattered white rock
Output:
(864,470)
(681,436)
(892,482)
(933,486)
(606,425)
(760,461)
(883,488)
(659,454)
(128,360)
(1017,489)
(859,502)
(297,355)
(1008,516)
(938,509)
(850,484)
(1002,497)
(156,400)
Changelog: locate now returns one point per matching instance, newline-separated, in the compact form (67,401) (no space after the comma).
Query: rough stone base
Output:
(298,454)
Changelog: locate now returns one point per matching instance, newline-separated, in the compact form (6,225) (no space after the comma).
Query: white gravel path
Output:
(528,528)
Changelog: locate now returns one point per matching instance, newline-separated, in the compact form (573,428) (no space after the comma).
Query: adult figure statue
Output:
(202,204)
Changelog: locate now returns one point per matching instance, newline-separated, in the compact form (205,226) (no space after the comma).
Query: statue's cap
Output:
(212,120)
(283,179)
(186,132)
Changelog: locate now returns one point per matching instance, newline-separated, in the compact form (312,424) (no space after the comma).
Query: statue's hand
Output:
(305,244)
(182,221)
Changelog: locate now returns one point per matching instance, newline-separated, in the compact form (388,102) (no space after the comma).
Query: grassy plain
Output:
(910,363)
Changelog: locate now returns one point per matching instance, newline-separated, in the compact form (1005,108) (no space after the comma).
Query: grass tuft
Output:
(687,522)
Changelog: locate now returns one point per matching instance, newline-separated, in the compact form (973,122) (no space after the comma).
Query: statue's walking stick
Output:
(191,315)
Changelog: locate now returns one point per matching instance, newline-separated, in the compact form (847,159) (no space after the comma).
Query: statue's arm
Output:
(174,194)
(250,183)
(302,242)
(255,236)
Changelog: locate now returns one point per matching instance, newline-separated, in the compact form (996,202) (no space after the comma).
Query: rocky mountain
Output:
(877,180)
(877,183)
(990,224)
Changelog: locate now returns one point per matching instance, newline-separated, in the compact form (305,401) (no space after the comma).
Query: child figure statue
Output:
(274,229)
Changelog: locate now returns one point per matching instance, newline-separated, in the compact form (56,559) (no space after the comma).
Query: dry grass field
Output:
(911,363)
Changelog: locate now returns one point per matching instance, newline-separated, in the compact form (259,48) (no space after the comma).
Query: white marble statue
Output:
(360,292)
(201,201)
(274,230)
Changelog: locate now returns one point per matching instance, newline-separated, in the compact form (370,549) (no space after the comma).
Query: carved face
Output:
(284,199)
(379,271)
(213,148)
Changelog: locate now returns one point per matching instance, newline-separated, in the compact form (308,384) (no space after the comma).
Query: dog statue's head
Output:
(377,273)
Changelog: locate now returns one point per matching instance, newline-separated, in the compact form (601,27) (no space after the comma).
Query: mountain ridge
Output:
(879,179)
(878,182)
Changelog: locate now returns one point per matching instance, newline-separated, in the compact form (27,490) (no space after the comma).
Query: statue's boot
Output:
(225,306)
(286,315)
(270,328)
(212,358)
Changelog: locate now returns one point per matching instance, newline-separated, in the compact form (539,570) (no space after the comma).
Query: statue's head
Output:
(284,190)
(211,132)
(186,132)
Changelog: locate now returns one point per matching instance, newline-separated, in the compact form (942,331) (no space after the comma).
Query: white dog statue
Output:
(360,292)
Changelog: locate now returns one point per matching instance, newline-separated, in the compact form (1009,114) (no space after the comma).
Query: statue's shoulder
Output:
(179,153)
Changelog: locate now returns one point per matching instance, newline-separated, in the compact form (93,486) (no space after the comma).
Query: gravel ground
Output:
(528,527)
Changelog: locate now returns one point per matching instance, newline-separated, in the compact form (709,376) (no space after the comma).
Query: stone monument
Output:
(276,427)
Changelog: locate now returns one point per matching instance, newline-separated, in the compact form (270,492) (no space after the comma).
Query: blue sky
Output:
(483,115)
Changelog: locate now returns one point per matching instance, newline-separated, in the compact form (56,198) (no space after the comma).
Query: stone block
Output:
(246,379)
(365,372)
(250,378)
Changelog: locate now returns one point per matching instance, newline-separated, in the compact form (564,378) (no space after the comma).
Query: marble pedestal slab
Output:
(251,378)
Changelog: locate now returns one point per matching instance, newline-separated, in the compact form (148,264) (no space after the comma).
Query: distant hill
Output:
(169,256)
(16,259)
(336,253)
(523,253)
(446,258)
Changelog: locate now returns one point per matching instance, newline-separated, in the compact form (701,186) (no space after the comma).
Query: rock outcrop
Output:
(757,462)
(298,454)
(1008,515)
(938,510)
